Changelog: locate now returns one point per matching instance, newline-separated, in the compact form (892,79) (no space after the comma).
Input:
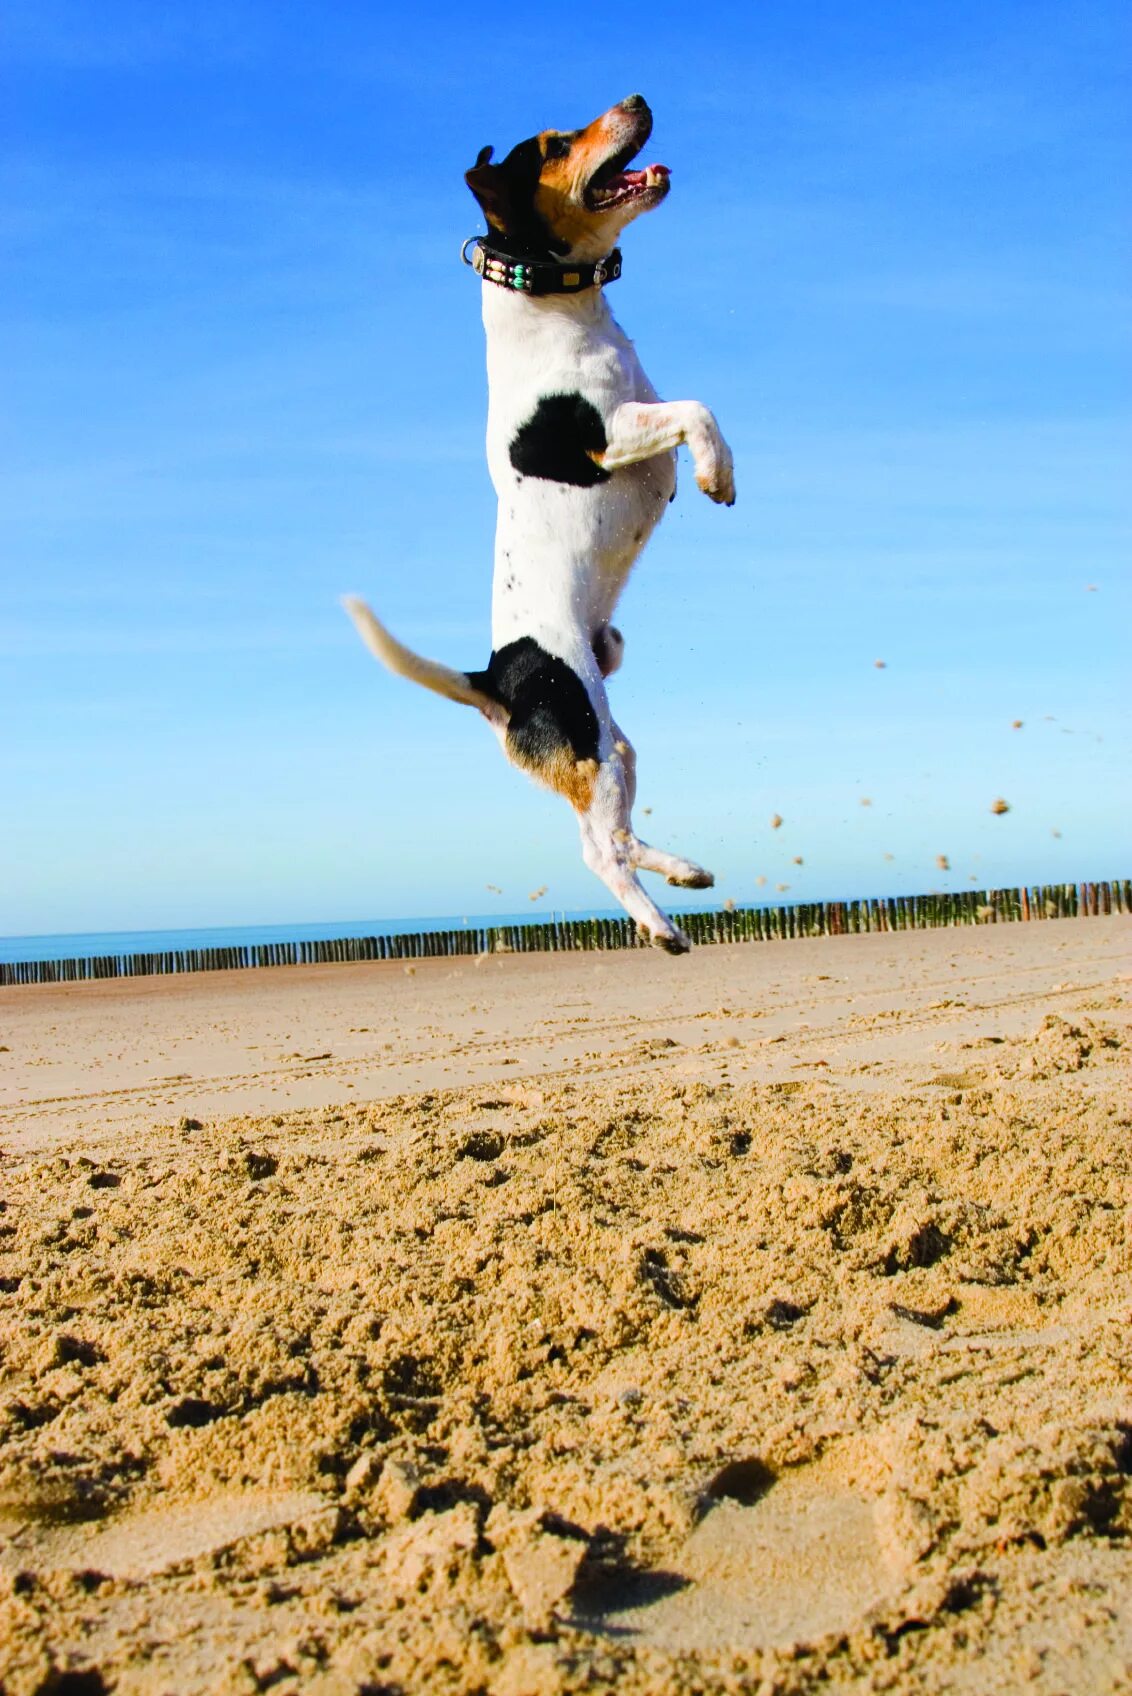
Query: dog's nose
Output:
(635,103)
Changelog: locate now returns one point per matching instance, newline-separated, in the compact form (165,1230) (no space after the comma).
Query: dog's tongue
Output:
(647,178)
(632,182)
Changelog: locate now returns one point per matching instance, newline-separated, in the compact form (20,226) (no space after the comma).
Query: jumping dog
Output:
(582,453)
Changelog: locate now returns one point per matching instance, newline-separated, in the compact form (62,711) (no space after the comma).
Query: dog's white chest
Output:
(567,533)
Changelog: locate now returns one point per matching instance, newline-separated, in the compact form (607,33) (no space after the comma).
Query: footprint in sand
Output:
(136,1545)
(774,1560)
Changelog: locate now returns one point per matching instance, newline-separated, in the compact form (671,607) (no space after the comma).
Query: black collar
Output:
(538,276)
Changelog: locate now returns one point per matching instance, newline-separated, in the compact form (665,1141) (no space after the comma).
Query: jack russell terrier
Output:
(582,453)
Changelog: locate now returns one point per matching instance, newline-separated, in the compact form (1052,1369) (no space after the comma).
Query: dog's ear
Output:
(490,186)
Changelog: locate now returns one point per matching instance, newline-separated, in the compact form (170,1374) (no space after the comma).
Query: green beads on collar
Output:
(537,276)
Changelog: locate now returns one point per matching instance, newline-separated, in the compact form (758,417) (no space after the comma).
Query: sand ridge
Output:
(704,1366)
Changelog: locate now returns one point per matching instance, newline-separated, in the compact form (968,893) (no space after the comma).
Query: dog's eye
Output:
(557,146)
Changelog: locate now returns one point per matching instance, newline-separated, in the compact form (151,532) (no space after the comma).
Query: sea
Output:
(85,945)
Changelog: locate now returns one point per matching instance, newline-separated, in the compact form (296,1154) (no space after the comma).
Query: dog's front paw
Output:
(715,470)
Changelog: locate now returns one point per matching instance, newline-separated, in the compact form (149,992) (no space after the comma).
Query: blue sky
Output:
(244,373)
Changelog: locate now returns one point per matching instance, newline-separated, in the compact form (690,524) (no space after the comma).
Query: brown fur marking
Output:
(572,778)
(559,198)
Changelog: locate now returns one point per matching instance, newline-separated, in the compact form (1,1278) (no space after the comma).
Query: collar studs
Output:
(537,276)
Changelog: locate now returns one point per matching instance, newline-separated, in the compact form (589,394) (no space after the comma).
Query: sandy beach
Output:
(759,1321)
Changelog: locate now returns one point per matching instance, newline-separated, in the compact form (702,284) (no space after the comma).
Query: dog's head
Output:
(568,192)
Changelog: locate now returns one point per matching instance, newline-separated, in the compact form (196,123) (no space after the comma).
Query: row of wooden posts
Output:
(741,924)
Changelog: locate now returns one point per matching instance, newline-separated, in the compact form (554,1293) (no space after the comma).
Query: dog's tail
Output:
(430,674)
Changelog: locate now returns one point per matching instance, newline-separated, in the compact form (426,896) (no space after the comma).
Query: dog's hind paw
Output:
(673,942)
(694,878)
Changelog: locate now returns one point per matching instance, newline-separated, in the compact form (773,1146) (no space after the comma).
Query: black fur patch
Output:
(547,700)
(557,440)
(521,169)
(507,194)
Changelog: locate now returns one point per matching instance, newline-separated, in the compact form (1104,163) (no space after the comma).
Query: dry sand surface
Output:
(760,1321)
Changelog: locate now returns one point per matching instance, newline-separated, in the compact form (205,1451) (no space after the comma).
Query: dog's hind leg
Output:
(559,731)
(685,874)
(609,847)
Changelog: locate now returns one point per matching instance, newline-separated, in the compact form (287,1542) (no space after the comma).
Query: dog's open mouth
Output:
(612,185)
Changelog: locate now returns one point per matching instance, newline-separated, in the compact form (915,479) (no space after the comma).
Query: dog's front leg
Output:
(639,430)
